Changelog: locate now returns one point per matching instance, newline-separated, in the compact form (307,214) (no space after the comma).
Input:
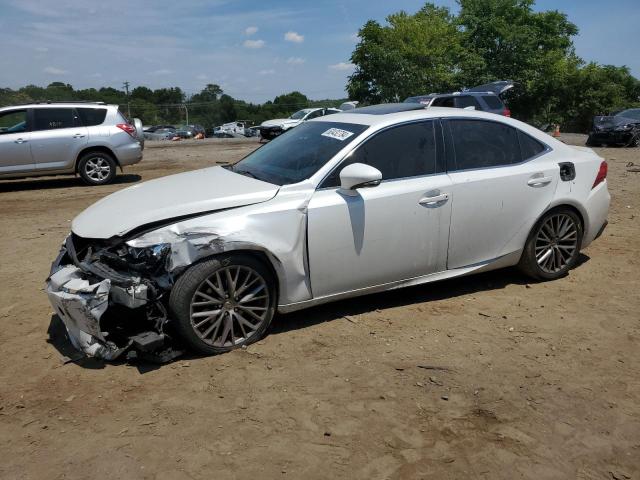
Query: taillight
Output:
(602,174)
(130,129)
(506,112)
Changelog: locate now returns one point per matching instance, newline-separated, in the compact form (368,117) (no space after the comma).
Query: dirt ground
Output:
(482,377)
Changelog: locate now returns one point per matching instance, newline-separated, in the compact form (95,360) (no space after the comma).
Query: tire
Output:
(549,234)
(208,322)
(97,168)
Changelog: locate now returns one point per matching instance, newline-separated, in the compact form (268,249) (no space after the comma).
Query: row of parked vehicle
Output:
(169,132)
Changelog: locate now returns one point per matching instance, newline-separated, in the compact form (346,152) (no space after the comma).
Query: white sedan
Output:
(374,199)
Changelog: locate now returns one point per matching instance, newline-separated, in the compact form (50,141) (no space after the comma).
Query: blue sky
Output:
(254,50)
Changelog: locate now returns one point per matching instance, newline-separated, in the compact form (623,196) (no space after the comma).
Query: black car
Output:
(620,128)
(485,98)
(190,131)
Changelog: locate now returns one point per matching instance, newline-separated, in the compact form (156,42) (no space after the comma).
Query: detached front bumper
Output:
(269,133)
(86,296)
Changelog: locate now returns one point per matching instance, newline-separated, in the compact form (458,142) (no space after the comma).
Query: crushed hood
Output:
(169,197)
(603,122)
(288,122)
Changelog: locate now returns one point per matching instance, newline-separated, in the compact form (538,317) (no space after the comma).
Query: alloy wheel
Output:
(556,243)
(229,306)
(97,169)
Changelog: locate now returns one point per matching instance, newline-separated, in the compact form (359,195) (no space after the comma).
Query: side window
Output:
(529,146)
(14,121)
(482,144)
(400,152)
(467,101)
(494,102)
(443,102)
(317,113)
(53,118)
(92,116)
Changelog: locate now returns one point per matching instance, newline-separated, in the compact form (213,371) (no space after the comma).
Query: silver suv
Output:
(89,139)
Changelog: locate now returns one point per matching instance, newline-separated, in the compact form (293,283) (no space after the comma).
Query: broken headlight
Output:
(151,257)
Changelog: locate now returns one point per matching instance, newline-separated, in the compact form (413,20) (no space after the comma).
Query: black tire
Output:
(589,142)
(529,264)
(97,168)
(194,283)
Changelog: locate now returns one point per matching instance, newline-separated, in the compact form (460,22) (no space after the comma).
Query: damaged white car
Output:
(374,199)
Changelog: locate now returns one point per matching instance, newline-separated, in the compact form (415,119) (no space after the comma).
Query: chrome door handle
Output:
(435,201)
(539,181)
(78,135)
(20,140)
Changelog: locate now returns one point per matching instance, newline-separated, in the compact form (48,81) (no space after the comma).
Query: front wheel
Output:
(553,245)
(223,303)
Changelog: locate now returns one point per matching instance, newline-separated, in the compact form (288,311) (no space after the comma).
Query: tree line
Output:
(209,107)
(435,50)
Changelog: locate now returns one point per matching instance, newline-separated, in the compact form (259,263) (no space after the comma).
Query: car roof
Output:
(386,108)
(423,113)
(59,104)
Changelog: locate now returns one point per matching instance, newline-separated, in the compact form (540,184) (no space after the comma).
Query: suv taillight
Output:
(506,112)
(602,174)
(130,129)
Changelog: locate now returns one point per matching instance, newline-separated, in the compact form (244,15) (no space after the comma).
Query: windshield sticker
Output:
(337,133)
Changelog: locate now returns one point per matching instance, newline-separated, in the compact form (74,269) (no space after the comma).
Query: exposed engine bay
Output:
(102,286)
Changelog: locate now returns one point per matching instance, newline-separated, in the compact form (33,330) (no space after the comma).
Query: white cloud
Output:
(96,75)
(55,71)
(250,31)
(42,49)
(354,37)
(342,66)
(269,71)
(162,71)
(294,37)
(201,76)
(295,61)
(254,43)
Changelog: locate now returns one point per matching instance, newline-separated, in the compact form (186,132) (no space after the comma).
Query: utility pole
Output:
(126,89)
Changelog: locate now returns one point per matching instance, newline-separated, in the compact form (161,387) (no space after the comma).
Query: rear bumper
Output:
(597,207)
(129,154)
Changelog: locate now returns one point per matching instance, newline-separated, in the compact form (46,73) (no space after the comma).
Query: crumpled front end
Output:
(110,297)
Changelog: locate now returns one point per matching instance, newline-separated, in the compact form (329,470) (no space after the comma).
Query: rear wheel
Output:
(553,246)
(97,168)
(223,303)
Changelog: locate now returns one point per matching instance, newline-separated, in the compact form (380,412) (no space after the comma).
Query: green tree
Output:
(413,54)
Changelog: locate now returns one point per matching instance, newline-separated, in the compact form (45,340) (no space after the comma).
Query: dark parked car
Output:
(190,131)
(485,98)
(154,128)
(620,128)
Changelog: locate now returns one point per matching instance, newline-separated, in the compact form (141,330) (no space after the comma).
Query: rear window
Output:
(54,118)
(493,102)
(482,144)
(92,116)
(465,101)
(443,102)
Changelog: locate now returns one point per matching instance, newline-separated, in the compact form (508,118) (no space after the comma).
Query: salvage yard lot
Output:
(482,377)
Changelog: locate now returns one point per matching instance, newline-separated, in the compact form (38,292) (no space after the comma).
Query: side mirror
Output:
(359,175)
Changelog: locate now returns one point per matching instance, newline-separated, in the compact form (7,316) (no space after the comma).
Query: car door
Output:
(502,182)
(394,231)
(15,149)
(57,137)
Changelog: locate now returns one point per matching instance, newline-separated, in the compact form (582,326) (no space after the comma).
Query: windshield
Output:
(299,114)
(299,153)
(632,113)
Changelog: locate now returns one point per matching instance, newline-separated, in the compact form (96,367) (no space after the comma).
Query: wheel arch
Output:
(269,260)
(573,205)
(96,148)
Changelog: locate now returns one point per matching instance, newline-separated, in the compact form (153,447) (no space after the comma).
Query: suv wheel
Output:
(97,168)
